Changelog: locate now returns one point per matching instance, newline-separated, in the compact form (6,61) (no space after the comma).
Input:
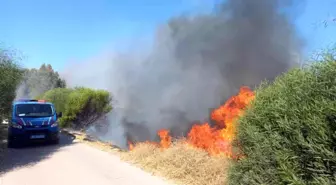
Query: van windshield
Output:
(34,110)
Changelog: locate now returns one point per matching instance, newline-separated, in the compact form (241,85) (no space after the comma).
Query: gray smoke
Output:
(193,65)
(38,81)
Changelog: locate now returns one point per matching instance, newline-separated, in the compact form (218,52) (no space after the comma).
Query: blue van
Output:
(33,120)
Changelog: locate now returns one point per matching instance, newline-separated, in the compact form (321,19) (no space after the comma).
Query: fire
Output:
(165,138)
(130,145)
(216,140)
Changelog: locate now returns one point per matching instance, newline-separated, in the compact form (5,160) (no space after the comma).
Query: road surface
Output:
(69,163)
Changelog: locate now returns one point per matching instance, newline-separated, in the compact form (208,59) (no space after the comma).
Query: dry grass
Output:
(84,138)
(180,163)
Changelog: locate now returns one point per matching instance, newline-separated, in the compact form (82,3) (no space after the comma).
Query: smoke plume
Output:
(38,81)
(194,64)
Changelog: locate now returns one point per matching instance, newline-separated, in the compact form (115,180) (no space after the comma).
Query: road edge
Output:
(94,142)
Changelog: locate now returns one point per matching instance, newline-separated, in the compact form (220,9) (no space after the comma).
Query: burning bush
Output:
(289,134)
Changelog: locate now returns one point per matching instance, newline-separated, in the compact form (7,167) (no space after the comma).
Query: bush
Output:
(288,135)
(85,106)
(81,107)
(59,96)
(10,75)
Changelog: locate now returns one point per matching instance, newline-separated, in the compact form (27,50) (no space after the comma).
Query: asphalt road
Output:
(69,163)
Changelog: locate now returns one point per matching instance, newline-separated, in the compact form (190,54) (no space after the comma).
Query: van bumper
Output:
(25,135)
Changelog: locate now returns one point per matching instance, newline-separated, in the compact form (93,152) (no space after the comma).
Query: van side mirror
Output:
(59,115)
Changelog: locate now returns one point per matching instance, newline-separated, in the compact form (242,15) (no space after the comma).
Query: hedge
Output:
(81,107)
(288,134)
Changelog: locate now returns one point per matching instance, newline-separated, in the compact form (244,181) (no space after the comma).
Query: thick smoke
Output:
(194,64)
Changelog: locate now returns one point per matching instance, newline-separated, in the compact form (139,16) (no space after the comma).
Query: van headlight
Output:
(54,124)
(15,125)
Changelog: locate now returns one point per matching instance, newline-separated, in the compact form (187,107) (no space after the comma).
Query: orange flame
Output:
(130,146)
(165,138)
(218,139)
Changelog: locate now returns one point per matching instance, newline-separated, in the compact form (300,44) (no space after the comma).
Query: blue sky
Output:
(59,31)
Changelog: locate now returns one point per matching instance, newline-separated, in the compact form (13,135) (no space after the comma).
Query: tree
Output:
(39,81)
(11,75)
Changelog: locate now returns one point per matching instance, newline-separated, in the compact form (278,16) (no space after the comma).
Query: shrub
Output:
(81,107)
(86,106)
(59,96)
(288,135)
(10,75)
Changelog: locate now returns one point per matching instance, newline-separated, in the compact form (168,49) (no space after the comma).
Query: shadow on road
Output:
(31,154)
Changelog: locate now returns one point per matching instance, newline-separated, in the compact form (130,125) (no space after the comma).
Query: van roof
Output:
(30,101)
(16,103)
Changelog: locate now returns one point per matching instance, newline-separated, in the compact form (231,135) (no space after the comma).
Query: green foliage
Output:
(81,107)
(38,81)
(86,106)
(10,75)
(289,133)
(59,96)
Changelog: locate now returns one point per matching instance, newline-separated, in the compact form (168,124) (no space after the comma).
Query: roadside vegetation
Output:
(81,107)
(10,74)
(289,133)
(287,136)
